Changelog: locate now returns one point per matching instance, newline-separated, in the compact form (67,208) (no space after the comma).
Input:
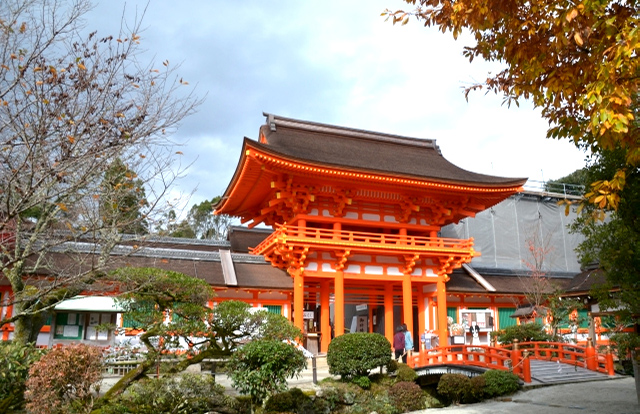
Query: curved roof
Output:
(367,151)
(346,155)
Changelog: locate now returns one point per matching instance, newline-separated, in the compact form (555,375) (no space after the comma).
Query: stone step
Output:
(550,372)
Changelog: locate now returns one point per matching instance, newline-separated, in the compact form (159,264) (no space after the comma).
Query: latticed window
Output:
(504,317)
(453,314)
(277,309)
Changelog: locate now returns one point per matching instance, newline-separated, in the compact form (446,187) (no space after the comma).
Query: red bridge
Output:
(516,358)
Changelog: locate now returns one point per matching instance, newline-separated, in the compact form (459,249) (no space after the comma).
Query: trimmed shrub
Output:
(362,382)
(15,361)
(261,368)
(407,396)
(500,383)
(356,354)
(64,380)
(454,387)
(406,373)
(243,404)
(432,398)
(290,401)
(392,366)
(524,333)
(189,393)
(476,391)
(382,380)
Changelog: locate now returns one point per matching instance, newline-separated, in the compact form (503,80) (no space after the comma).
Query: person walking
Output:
(408,343)
(398,344)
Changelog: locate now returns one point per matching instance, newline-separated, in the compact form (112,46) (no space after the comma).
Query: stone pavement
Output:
(614,396)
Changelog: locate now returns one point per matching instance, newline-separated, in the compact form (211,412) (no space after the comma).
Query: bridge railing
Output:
(515,358)
(474,355)
(577,355)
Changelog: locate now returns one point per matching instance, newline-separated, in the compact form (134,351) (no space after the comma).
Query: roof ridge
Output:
(274,120)
(155,252)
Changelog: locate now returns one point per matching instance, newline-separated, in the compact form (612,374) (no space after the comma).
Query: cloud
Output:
(332,62)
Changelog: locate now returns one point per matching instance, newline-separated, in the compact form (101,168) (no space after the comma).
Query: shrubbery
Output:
(355,354)
(261,367)
(363,382)
(476,391)
(454,387)
(493,383)
(15,360)
(524,333)
(64,380)
(292,401)
(406,373)
(407,396)
(190,393)
(392,366)
(500,383)
(623,343)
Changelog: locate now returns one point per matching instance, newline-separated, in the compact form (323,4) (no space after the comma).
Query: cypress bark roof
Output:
(366,151)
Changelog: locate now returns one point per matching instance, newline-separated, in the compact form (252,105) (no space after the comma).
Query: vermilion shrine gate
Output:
(357,214)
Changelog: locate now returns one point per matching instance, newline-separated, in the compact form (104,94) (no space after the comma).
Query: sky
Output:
(334,62)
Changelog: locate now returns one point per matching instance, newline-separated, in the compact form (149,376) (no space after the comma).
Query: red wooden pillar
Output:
(325,323)
(8,314)
(590,355)
(407,294)
(526,369)
(442,312)
(407,302)
(339,303)
(421,314)
(298,299)
(515,358)
(609,359)
(388,312)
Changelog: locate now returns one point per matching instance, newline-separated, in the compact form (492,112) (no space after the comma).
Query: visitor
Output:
(398,345)
(408,343)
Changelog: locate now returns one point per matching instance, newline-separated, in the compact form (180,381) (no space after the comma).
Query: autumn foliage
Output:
(577,61)
(64,380)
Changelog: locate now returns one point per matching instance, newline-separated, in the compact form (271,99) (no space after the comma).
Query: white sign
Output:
(361,307)
(307,315)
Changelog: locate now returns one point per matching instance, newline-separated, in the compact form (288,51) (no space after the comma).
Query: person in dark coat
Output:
(398,344)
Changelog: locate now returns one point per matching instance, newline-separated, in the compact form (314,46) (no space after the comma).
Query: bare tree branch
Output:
(70,107)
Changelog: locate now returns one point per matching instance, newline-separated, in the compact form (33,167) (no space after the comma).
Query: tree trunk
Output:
(27,327)
(124,383)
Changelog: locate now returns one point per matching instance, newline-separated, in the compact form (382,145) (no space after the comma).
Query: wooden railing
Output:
(516,357)
(394,241)
(577,355)
(474,355)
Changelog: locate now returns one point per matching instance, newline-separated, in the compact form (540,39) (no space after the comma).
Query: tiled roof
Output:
(584,281)
(242,239)
(361,150)
(513,283)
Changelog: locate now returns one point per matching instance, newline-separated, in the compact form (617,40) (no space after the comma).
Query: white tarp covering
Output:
(502,234)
